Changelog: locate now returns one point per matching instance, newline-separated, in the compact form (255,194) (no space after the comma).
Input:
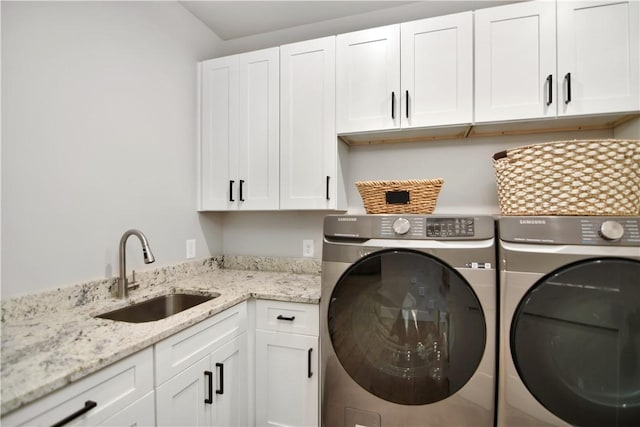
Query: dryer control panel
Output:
(601,231)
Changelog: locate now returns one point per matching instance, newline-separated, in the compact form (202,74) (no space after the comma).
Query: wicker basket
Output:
(416,196)
(589,177)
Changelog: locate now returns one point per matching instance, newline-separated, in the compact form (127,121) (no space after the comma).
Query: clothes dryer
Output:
(408,321)
(569,321)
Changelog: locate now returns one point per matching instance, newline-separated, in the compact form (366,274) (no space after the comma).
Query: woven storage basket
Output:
(588,177)
(416,196)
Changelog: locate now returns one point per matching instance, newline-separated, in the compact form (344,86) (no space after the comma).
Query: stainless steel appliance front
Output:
(408,320)
(570,321)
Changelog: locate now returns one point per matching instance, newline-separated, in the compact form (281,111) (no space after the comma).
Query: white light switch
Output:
(191,248)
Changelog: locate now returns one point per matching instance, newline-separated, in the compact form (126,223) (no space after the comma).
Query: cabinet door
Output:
(181,400)
(218,138)
(139,413)
(368,80)
(231,385)
(515,58)
(308,143)
(286,379)
(437,71)
(598,56)
(259,135)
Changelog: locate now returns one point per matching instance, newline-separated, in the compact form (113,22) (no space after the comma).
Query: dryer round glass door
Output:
(575,342)
(406,327)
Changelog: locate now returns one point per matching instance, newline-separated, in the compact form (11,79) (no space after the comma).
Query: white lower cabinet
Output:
(201,373)
(122,394)
(286,368)
(202,377)
(211,392)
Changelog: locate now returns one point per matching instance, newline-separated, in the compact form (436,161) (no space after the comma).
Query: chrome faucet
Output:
(123,290)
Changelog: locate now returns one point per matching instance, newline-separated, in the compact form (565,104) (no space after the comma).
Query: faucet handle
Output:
(132,284)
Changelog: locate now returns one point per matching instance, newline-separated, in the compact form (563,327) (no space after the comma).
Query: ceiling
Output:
(237,19)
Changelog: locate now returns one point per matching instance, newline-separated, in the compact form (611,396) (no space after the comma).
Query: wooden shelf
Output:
(484,130)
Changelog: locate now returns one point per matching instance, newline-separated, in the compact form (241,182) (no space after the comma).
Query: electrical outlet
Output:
(307,248)
(191,248)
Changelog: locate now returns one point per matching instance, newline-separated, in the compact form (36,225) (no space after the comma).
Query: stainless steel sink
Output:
(157,308)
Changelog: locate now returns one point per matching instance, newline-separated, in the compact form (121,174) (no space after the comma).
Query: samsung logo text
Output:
(533,222)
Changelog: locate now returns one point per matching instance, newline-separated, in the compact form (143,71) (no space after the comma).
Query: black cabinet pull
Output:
(290,319)
(209,376)
(406,104)
(393,105)
(567,78)
(549,89)
(221,375)
(241,183)
(88,405)
(231,190)
(328,178)
(309,373)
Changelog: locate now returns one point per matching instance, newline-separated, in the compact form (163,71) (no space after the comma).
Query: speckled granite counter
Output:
(47,346)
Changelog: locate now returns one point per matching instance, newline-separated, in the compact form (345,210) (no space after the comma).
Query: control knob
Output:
(611,230)
(401,226)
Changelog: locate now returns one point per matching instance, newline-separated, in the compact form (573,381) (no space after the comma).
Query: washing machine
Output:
(408,321)
(569,321)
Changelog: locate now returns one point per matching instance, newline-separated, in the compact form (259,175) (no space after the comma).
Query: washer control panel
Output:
(595,231)
(403,226)
(409,227)
(450,227)
(425,227)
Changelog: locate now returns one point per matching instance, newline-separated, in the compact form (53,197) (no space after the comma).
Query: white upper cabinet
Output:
(515,62)
(308,145)
(259,130)
(596,44)
(368,79)
(239,132)
(437,71)
(434,88)
(218,139)
(598,57)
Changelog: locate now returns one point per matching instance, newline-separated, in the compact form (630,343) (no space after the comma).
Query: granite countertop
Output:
(43,350)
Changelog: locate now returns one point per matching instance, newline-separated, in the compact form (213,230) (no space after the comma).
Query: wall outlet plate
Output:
(307,248)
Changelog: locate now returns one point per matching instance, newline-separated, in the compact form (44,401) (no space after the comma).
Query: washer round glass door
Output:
(406,327)
(575,341)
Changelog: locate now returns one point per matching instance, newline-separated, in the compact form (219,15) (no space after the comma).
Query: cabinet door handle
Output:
(309,373)
(209,376)
(406,104)
(88,405)
(567,78)
(328,178)
(241,183)
(231,190)
(393,105)
(549,89)
(221,376)
(290,319)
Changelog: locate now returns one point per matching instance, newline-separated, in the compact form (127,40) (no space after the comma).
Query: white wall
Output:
(628,130)
(99,115)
